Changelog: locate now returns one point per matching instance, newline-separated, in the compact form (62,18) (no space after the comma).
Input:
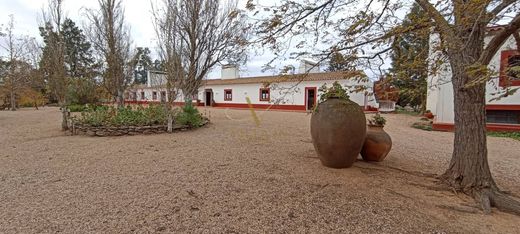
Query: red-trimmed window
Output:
(133,96)
(265,94)
(143,97)
(510,68)
(228,95)
(154,95)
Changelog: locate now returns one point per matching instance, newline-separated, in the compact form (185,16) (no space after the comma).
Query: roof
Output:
(322,76)
(266,80)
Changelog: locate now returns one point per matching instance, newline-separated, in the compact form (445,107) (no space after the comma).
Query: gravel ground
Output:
(232,176)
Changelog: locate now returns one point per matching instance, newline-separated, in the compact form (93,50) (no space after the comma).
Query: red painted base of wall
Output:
(449,127)
(262,106)
(301,108)
(157,102)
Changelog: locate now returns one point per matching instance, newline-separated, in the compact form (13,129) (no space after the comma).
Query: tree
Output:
(409,71)
(340,62)
(142,63)
(16,73)
(206,33)
(461,26)
(79,61)
(110,37)
(53,56)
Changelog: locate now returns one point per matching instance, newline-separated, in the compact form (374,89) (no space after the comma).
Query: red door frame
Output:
(307,94)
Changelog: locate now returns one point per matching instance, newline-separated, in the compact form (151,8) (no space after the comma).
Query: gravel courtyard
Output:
(233,177)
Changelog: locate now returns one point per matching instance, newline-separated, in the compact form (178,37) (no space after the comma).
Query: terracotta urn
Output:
(338,130)
(377,144)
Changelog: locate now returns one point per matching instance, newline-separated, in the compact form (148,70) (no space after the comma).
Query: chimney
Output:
(309,66)
(229,71)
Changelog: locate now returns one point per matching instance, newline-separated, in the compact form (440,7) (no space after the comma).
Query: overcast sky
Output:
(27,15)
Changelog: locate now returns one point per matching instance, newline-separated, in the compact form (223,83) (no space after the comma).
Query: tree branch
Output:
(498,40)
(441,23)
(503,5)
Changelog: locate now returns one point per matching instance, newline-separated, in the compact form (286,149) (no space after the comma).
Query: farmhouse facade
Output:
(503,106)
(296,92)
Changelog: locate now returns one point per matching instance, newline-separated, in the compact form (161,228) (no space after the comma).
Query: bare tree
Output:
(367,29)
(110,37)
(170,47)
(53,55)
(16,76)
(196,35)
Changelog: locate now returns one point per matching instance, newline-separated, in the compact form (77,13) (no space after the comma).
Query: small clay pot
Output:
(377,144)
(338,130)
(429,115)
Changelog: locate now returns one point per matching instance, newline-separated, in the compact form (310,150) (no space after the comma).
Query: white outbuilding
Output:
(296,92)
(503,114)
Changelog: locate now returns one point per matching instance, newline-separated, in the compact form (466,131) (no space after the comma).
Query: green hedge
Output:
(140,116)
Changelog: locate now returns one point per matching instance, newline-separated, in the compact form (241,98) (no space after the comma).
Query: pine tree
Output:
(78,54)
(142,63)
(409,61)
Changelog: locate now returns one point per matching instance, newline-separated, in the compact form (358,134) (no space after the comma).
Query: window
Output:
(143,97)
(154,95)
(228,95)
(265,94)
(503,116)
(133,96)
(510,68)
(163,96)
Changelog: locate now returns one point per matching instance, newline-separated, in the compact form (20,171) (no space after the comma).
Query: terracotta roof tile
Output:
(325,76)
(287,78)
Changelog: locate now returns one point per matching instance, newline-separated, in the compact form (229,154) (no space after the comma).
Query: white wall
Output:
(284,93)
(440,89)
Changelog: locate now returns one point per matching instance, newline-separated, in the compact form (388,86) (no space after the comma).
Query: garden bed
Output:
(106,131)
(108,121)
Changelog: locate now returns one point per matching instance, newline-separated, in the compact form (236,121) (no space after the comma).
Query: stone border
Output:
(106,131)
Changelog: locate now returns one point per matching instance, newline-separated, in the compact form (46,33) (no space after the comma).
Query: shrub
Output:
(126,116)
(377,120)
(76,108)
(140,116)
(189,116)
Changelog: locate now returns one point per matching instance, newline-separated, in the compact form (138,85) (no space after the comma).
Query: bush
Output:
(76,108)
(189,116)
(126,116)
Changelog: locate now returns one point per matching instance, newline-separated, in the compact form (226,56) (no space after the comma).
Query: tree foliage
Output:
(409,71)
(196,35)
(366,30)
(142,63)
(110,38)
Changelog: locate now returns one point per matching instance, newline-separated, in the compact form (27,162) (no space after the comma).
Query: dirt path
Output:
(232,176)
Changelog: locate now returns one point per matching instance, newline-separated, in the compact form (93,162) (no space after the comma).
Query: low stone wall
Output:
(103,131)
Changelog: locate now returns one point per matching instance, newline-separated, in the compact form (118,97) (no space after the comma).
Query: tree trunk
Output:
(64,118)
(469,169)
(13,100)
(120,100)
(170,122)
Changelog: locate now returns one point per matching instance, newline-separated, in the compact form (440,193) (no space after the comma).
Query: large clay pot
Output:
(338,129)
(377,144)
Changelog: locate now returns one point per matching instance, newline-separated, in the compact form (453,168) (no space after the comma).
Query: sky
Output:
(27,14)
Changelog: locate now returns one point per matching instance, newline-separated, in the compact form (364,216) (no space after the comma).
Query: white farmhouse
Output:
(502,114)
(297,92)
